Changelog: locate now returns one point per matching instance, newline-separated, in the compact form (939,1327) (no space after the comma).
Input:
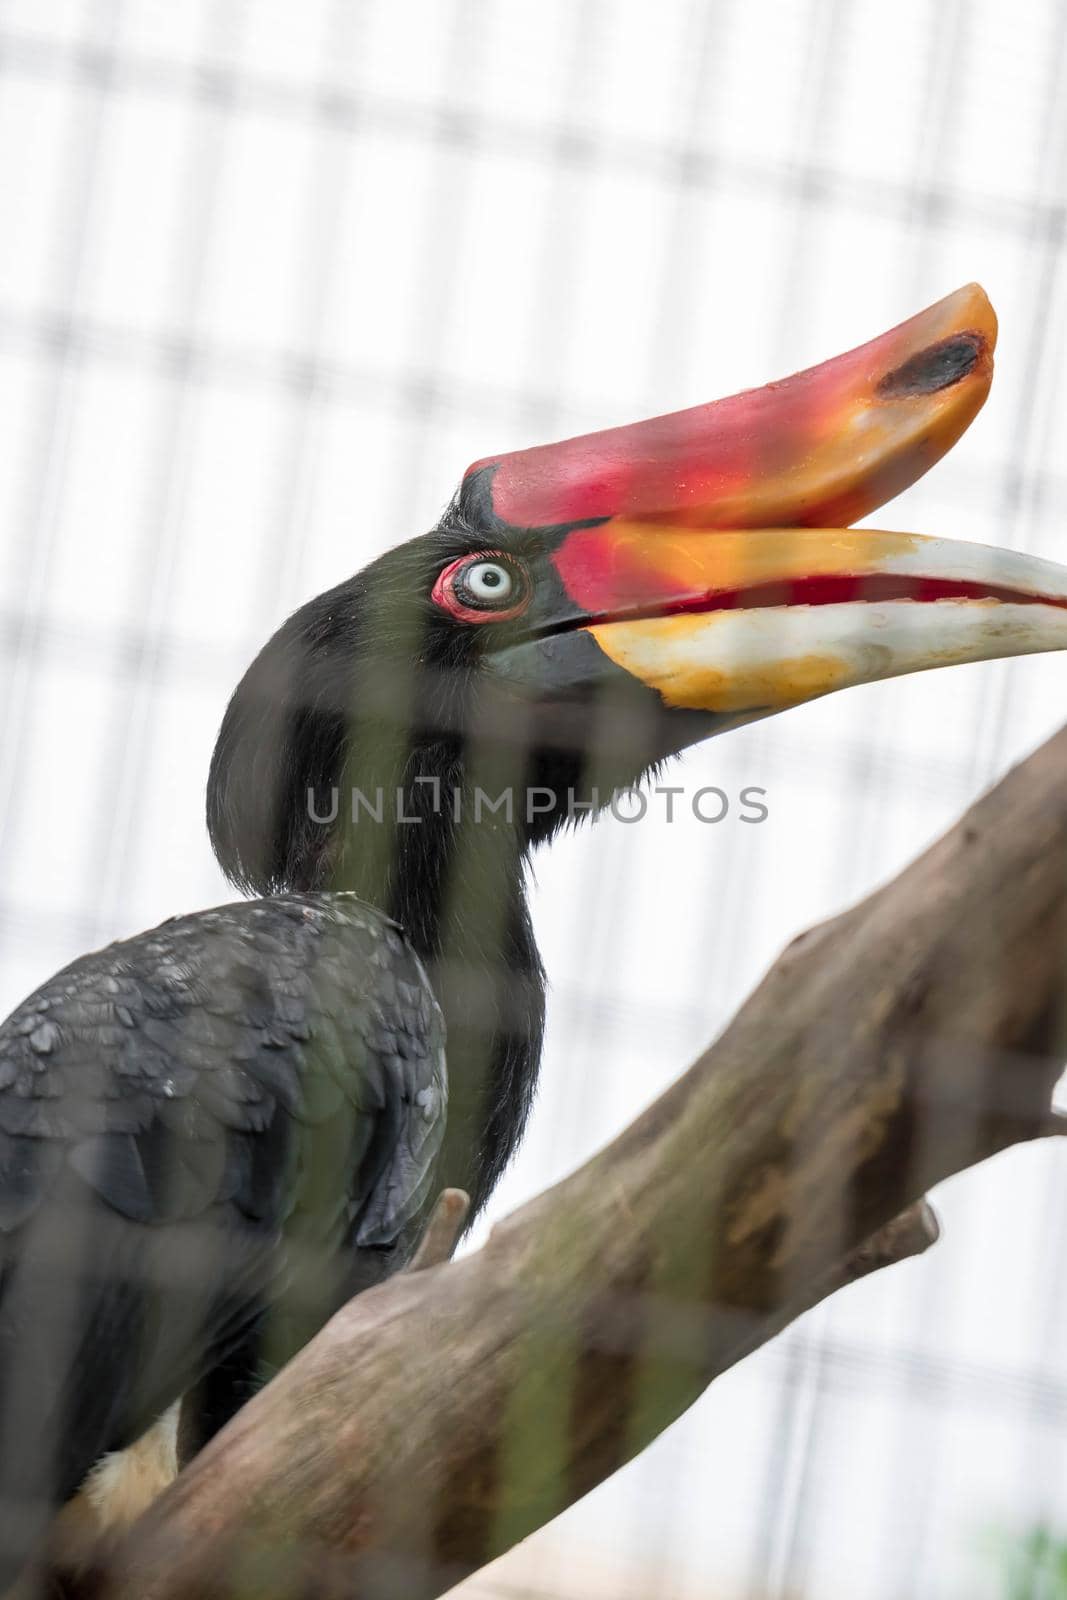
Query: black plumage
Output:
(214,1134)
(240,1117)
(241,1109)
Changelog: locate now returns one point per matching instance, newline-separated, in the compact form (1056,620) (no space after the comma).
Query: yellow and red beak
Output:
(709,555)
(757,621)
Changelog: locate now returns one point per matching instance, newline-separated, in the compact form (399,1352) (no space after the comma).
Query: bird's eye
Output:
(489,582)
(483,588)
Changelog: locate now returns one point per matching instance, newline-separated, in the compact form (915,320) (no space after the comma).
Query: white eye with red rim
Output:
(484,588)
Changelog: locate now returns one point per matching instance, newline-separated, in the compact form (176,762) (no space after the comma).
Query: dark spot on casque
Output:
(939,366)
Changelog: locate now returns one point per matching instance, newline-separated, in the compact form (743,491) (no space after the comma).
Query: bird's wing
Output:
(210,1117)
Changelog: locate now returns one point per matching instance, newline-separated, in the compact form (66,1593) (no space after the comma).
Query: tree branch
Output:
(443,1417)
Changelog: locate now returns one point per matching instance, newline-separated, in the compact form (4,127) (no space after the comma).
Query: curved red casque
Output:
(819,449)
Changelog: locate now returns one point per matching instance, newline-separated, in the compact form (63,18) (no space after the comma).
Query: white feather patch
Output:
(125,1482)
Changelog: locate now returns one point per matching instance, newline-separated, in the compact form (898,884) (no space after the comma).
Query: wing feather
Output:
(182,1116)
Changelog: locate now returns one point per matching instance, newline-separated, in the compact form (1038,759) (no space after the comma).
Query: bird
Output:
(215,1133)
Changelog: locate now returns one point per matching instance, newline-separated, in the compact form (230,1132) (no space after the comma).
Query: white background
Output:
(271,274)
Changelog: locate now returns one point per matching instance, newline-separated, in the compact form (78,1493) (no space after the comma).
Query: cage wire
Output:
(271,276)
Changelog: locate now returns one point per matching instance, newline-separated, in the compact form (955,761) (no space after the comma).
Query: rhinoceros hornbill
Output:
(214,1133)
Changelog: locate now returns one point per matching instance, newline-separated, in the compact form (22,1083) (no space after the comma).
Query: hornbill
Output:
(213,1134)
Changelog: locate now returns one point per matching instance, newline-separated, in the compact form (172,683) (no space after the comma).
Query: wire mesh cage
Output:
(271,275)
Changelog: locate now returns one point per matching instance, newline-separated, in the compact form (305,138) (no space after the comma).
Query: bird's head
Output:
(585,609)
